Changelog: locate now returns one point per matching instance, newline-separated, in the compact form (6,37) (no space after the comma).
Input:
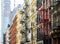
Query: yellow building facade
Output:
(26,23)
(28,16)
(18,25)
(31,21)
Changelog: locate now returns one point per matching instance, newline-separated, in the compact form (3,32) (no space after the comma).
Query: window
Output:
(21,12)
(22,21)
(40,34)
(32,10)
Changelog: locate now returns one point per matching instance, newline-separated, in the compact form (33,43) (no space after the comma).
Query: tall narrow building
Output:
(4,38)
(44,24)
(5,10)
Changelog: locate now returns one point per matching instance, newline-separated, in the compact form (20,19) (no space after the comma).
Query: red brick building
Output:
(13,32)
(44,17)
(44,22)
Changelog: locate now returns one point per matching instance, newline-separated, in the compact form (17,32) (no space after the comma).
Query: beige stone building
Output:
(15,35)
(30,11)
(7,36)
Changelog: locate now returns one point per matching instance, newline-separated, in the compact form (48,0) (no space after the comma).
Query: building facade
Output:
(7,37)
(15,35)
(13,31)
(19,27)
(33,21)
(44,22)
(29,21)
(55,11)
(4,38)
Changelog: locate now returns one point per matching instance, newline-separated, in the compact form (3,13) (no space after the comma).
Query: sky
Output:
(16,3)
(12,7)
(0,20)
(0,14)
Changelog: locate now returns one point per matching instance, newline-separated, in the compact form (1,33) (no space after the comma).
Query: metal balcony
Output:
(54,12)
(22,42)
(22,21)
(27,40)
(56,24)
(55,3)
(56,30)
(27,16)
(26,5)
(23,31)
(21,12)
